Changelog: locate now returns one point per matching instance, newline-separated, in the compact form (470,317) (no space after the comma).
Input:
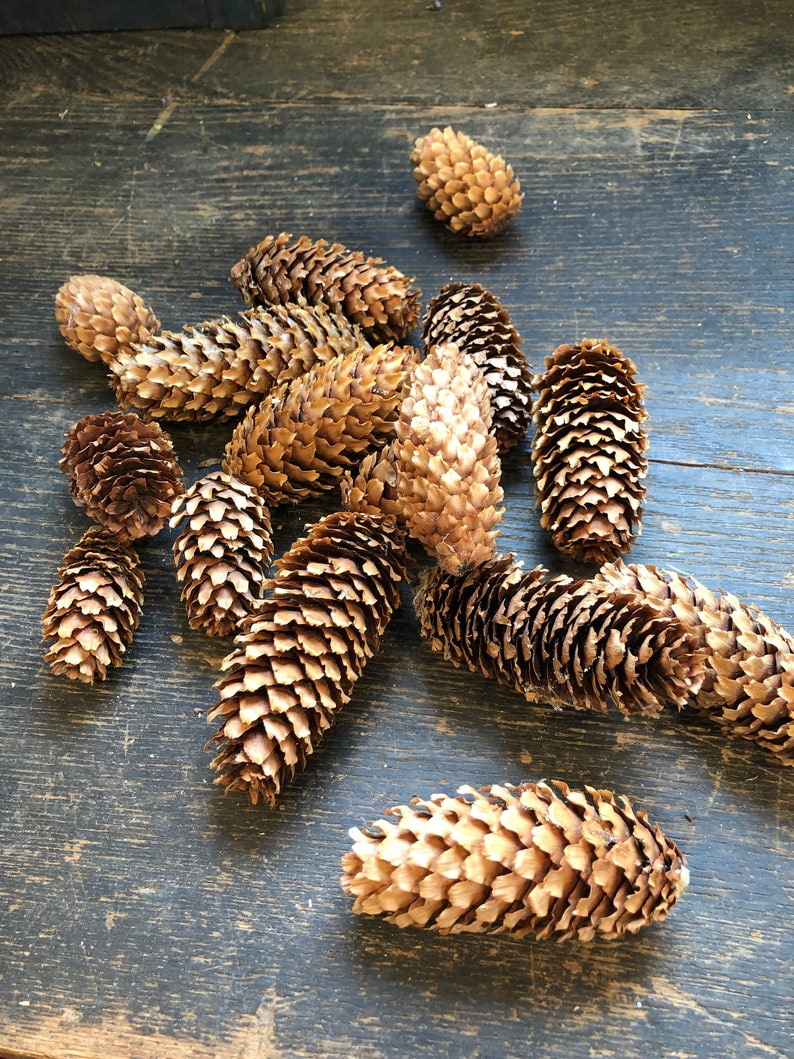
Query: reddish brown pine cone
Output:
(516,860)
(557,640)
(123,471)
(98,316)
(94,610)
(376,296)
(588,452)
(296,659)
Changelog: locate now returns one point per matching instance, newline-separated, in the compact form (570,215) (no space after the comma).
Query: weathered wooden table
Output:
(144,914)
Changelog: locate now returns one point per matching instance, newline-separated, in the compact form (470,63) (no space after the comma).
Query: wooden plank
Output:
(74,16)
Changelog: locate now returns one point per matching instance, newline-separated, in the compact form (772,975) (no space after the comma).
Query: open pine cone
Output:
(98,316)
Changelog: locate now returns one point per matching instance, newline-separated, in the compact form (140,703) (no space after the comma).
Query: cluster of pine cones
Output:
(324,392)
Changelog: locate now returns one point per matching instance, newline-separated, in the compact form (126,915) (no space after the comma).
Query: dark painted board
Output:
(79,16)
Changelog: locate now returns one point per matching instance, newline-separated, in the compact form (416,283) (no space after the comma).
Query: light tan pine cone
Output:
(372,486)
(217,369)
(474,320)
(516,860)
(448,470)
(376,296)
(123,471)
(588,452)
(98,316)
(94,610)
(749,665)
(296,659)
(557,640)
(222,552)
(463,184)
(302,438)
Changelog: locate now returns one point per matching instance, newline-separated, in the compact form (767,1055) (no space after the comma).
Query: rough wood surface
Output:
(142,914)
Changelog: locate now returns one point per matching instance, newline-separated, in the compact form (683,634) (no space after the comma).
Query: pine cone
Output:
(124,472)
(462,184)
(94,610)
(557,640)
(749,665)
(372,487)
(99,316)
(222,553)
(377,297)
(448,467)
(218,368)
(516,860)
(305,434)
(588,453)
(298,656)
(474,320)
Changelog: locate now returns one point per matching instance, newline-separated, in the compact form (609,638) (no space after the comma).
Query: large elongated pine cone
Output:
(559,641)
(123,471)
(99,317)
(222,552)
(588,452)
(749,665)
(463,184)
(376,296)
(94,610)
(476,322)
(300,440)
(448,470)
(217,369)
(372,486)
(516,860)
(296,659)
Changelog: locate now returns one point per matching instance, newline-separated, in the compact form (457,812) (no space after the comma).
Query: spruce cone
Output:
(448,467)
(372,488)
(222,553)
(588,453)
(557,640)
(516,860)
(474,320)
(94,610)
(99,317)
(305,434)
(124,472)
(377,297)
(749,664)
(298,656)
(218,368)
(462,184)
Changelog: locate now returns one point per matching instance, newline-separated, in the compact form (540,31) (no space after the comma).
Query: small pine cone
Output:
(588,453)
(749,665)
(217,369)
(559,641)
(298,656)
(301,439)
(474,320)
(99,317)
(376,296)
(516,860)
(463,184)
(94,610)
(124,472)
(222,553)
(372,487)
(448,466)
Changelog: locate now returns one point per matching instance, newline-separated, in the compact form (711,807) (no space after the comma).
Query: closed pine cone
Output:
(99,317)
(463,184)
(588,452)
(448,470)
(516,860)
(222,552)
(94,610)
(123,471)
(474,320)
(557,640)
(217,369)
(376,296)
(372,486)
(749,665)
(296,659)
